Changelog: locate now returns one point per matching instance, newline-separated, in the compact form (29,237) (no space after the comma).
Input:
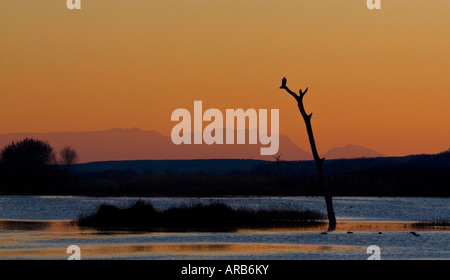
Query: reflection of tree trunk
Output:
(319,161)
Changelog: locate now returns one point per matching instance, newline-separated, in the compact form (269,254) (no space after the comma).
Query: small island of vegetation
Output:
(198,217)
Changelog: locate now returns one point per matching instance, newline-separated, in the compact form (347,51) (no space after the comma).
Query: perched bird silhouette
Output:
(283,82)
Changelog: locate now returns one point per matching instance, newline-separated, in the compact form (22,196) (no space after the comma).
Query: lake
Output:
(39,227)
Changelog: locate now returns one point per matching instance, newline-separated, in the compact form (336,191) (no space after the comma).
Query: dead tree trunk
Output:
(319,161)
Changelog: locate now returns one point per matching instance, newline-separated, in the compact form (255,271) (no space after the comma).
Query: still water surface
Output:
(48,231)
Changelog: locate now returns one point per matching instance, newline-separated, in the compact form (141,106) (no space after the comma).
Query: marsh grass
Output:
(199,217)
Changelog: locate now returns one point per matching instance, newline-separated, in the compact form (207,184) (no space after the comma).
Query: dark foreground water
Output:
(39,228)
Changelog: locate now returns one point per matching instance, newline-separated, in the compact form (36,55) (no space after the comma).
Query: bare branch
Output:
(302,93)
(284,86)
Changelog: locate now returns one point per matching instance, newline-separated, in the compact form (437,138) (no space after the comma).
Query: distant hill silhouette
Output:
(351,151)
(286,168)
(136,144)
(209,166)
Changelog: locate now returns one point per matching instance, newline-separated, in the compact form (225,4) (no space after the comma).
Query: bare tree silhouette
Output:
(68,156)
(319,161)
(277,157)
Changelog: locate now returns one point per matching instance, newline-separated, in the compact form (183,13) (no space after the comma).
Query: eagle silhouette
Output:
(283,82)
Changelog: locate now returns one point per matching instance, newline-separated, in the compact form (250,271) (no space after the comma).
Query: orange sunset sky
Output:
(376,78)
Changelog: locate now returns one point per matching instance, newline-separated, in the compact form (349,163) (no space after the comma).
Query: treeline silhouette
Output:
(417,175)
(32,165)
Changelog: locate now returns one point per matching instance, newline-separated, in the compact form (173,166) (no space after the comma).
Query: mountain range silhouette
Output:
(135,144)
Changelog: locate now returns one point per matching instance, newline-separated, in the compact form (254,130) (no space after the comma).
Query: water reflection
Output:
(71,226)
(49,240)
(386,222)
(124,250)
(37,225)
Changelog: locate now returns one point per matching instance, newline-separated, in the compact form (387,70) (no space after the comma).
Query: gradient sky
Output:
(378,79)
